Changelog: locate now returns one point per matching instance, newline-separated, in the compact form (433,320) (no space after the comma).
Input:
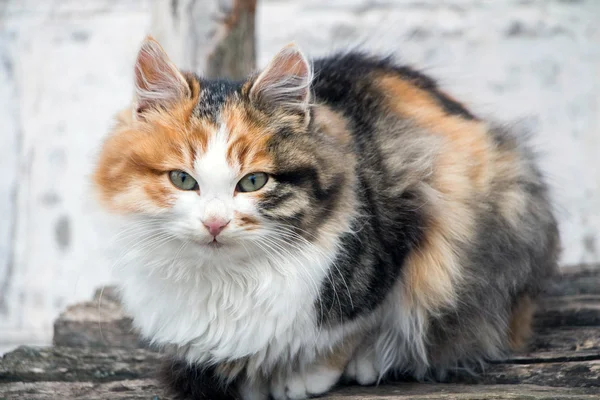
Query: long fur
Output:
(397,232)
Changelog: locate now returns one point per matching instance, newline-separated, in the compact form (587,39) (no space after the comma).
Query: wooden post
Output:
(214,38)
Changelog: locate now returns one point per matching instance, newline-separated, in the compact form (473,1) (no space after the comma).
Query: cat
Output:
(336,220)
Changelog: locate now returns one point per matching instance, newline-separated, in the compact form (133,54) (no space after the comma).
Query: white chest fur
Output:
(228,309)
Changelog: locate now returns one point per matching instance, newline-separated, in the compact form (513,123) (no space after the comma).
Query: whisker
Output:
(290,234)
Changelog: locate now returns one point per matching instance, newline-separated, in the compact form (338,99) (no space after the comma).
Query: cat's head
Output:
(229,167)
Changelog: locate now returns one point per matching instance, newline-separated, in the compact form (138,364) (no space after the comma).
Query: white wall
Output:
(65,68)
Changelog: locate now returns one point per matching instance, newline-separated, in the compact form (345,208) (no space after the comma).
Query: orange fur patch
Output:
(520,323)
(341,354)
(431,273)
(469,145)
(131,174)
(461,171)
(247,222)
(132,170)
(332,125)
(247,142)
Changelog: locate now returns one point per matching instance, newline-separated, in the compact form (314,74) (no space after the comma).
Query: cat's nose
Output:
(215,225)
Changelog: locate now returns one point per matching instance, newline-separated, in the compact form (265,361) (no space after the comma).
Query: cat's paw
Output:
(315,381)
(362,369)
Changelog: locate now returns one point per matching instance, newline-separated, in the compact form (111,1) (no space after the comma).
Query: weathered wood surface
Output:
(147,389)
(98,356)
(69,364)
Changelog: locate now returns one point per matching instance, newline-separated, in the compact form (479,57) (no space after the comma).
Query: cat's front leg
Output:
(254,389)
(315,378)
(313,381)
(362,368)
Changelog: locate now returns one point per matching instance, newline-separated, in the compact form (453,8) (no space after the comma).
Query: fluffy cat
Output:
(342,218)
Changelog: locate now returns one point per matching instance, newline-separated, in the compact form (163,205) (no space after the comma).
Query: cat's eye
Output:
(183,180)
(252,182)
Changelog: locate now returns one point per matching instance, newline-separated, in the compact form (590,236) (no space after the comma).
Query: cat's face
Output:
(229,168)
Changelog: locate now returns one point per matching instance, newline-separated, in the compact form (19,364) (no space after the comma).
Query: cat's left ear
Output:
(285,82)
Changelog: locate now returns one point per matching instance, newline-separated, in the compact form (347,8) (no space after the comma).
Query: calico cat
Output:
(341,218)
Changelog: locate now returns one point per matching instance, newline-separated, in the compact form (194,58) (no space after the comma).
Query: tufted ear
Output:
(285,82)
(158,82)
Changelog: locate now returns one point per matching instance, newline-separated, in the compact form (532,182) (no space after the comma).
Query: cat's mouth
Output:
(215,244)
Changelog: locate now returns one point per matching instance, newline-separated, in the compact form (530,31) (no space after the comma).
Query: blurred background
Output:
(66,68)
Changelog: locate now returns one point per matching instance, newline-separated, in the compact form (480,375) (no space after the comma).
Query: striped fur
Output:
(396,233)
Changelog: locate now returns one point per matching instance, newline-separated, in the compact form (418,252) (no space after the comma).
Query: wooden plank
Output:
(80,364)
(578,280)
(28,364)
(70,364)
(556,374)
(122,390)
(575,310)
(422,391)
(561,344)
(148,389)
(95,324)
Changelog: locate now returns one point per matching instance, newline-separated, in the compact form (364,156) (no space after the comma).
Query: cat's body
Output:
(395,231)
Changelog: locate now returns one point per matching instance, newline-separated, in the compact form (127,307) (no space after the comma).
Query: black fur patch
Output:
(213,94)
(192,382)
(369,264)
(389,227)
(354,67)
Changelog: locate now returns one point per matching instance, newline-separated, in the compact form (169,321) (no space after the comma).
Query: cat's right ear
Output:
(158,82)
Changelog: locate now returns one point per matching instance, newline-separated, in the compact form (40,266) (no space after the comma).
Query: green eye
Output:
(252,182)
(183,180)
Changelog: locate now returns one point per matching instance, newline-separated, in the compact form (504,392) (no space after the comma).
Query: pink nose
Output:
(215,226)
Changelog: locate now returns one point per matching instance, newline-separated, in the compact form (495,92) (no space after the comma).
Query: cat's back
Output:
(360,83)
(396,113)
